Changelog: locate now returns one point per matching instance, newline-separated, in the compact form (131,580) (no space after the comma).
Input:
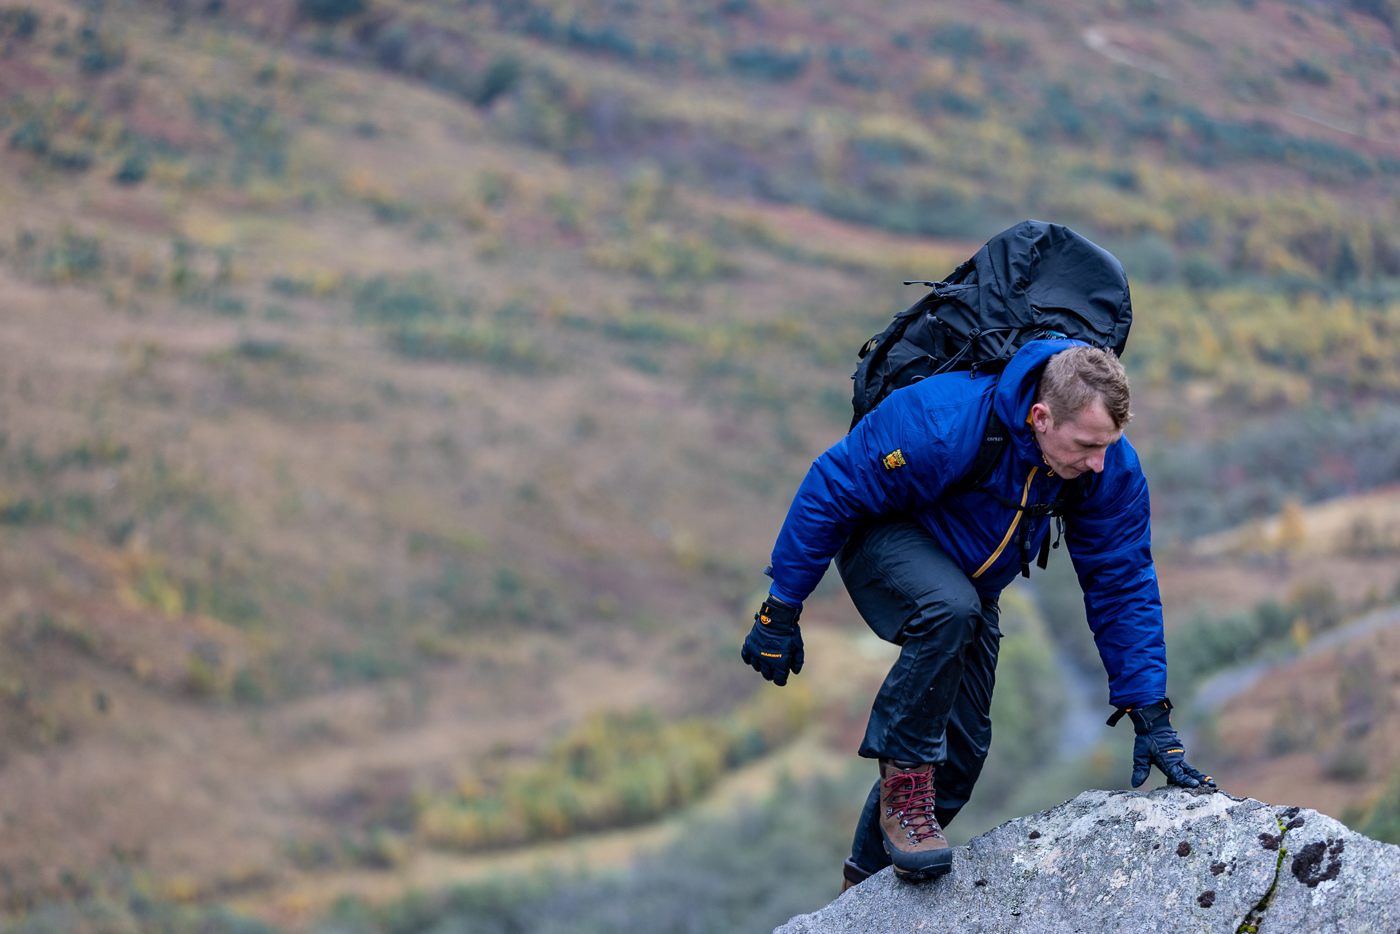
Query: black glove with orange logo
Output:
(1158,744)
(774,645)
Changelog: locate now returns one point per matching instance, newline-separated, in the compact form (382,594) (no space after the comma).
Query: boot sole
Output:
(939,863)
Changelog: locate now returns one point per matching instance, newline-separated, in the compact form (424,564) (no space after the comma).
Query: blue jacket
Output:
(937,425)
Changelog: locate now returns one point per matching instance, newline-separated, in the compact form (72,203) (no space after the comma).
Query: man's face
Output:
(1077,445)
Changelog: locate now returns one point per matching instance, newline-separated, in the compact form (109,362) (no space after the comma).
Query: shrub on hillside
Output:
(930,101)
(19,23)
(117,903)
(768,64)
(464,341)
(320,284)
(965,40)
(1308,72)
(252,129)
(499,79)
(745,872)
(397,300)
(854,66)
(1383,821)
(99,50)
(423,321)
(331,11)
(1208,644)
(65,131)
(1061,114)
(132,170)
(614,770)
(1201,272)
(662,255)
(74,257)
(606,38)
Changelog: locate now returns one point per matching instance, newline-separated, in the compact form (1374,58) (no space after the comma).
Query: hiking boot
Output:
(851,874)
(913,837)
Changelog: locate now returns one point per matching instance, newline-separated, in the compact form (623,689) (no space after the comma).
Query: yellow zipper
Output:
(1011,531)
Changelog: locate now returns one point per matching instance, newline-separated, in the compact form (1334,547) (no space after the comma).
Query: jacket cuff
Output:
(1140,699)
(785,597)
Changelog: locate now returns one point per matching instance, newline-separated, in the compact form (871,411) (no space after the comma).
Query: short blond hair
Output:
(1074,378)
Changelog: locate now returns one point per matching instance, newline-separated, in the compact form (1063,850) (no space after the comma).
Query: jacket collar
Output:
(1015,393)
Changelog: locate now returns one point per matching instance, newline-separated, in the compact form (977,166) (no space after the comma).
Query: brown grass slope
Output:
(361,426)
(227,492)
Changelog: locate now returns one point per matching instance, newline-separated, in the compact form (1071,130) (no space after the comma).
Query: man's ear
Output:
(1041,419)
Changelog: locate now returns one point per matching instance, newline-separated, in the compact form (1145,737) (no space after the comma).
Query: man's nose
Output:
(1095,461)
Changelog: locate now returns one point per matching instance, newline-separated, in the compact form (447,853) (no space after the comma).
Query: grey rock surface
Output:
(1131,862)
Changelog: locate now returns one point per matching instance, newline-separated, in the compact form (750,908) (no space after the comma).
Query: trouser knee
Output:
(953,618)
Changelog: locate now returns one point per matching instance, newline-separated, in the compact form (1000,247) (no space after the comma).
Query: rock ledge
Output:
(1128,862)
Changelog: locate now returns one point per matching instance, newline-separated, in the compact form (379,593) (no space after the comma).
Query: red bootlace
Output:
(911,797)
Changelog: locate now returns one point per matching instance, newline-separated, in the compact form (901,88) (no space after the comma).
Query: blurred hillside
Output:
(400,399)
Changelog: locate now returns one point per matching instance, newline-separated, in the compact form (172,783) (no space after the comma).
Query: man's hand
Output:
(1157,744)
(774,645)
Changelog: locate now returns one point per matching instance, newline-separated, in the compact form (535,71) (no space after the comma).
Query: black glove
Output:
(1157,744)
(774,645)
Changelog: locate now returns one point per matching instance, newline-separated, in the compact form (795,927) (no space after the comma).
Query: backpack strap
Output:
(1069,492)
(994,439)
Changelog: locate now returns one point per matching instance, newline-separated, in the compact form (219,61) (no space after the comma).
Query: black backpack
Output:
(1031,282)
(1035,281)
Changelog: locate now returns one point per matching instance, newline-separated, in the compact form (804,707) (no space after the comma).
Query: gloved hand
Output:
(774,645)
(1157,744)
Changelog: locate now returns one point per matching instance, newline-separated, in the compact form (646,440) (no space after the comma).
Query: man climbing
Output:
(928,520)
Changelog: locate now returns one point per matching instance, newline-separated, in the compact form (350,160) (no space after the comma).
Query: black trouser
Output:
(935,704)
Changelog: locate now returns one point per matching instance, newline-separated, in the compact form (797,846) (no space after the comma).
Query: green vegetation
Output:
(251,131)
(744,873)
(1208,644)
(1004,145)
(422,321)
(1202,485)
(659,255)
(331,11)
(1266,351)
(462,341)
(122,907)
(1381,821)
(613,770)
(747,872)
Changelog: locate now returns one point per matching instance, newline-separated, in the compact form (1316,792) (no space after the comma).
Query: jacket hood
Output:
(1015,392)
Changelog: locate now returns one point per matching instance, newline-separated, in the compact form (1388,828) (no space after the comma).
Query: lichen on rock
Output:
(1135,862)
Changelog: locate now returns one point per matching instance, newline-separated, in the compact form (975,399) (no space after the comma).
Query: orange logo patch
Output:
(893,460)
